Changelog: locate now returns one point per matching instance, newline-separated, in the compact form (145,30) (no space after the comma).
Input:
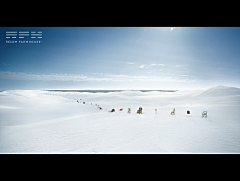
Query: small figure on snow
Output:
(113,110)
(204,114)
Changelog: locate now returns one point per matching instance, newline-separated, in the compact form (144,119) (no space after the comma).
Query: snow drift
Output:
(220,91)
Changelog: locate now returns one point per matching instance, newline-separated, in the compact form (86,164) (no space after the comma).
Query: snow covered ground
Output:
(53,122)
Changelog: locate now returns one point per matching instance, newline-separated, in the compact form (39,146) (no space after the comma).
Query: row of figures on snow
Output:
(113,110)
(91,104)
(204,113)
(139,111)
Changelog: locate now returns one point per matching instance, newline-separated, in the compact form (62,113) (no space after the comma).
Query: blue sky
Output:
(163,58)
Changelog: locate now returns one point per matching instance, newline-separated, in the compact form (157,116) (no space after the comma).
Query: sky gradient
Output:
(162,58)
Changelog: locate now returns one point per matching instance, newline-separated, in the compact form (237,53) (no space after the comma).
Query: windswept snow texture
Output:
(53,122)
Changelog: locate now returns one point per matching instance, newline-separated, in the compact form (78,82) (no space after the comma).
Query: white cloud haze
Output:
(178,65)
(80,77)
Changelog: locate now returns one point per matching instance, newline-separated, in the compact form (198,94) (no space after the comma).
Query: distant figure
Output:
(155,111)
(120,109)
(140,110)
(113,110)
(188,112)
(129,110)
(173,112)
(100,108)
(204,113)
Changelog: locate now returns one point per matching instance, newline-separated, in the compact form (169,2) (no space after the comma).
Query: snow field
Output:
(36,122)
